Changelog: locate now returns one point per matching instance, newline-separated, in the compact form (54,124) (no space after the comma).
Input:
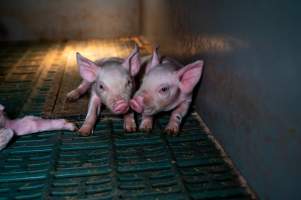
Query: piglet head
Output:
(162,87)
(112,81)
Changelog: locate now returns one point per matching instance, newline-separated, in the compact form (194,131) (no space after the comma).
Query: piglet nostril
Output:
(136,106)
(121,106)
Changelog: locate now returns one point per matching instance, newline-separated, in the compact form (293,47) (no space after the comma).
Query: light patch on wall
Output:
(93,50)
(194,45)
(216,44)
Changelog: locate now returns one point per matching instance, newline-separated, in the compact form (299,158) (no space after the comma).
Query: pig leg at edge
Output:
(79,91)
(146,124)
(33,124)
(93,112)
(129,123)
(175,120)
(6,134)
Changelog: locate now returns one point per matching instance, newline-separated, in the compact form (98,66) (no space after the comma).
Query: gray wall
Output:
(250,92)
(68,19)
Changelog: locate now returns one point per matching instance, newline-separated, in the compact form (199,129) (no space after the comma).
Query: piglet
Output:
(111,82)
(167,85)
(28,125)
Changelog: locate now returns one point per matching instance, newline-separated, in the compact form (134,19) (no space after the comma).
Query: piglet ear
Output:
(1,107)
(190,75)
(155,60)
(132,62)
(87,68)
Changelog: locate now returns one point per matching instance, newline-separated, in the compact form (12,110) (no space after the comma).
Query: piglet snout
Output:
(137,104)
(120,107)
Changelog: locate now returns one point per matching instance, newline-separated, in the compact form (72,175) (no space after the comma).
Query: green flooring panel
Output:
(110,164)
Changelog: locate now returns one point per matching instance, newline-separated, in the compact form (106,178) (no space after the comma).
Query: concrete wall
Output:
(68,19)
(250,93)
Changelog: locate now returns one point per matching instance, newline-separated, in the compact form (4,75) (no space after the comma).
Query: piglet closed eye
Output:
(166,86)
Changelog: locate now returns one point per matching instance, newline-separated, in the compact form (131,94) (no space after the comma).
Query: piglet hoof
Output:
(70,126)
(129,126)
(172,129)
(146,127)
(85,130)
(145,130)
(72,96)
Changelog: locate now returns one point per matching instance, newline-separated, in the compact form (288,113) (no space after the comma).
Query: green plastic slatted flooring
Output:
(110,164)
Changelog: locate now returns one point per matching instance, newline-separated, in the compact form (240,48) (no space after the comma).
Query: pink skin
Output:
(129,122)
(111,83)
(137,104)
(120,106)
(28,125)
(79,91)
(146,124)
(93,112)
(32,124)
(166,86)
(6,134)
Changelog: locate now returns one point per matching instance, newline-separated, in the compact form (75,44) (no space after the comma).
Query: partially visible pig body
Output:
(28,125)
(167,85)
(111,82)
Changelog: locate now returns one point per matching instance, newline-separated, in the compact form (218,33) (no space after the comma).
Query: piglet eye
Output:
(164,89)
(101,87)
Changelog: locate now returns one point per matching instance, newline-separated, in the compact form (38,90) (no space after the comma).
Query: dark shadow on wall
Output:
(3,32)
(64,19)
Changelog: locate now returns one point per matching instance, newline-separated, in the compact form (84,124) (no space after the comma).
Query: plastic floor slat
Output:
(110,164)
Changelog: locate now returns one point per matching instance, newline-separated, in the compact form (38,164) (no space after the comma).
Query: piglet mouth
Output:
(120,107)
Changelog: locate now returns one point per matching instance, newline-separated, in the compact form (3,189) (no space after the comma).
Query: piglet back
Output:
(104,61)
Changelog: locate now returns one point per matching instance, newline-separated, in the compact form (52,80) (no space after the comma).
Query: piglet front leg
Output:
(32,124)
(175,120)
(93,112)
(146,124)
(79,91)
(129,123)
